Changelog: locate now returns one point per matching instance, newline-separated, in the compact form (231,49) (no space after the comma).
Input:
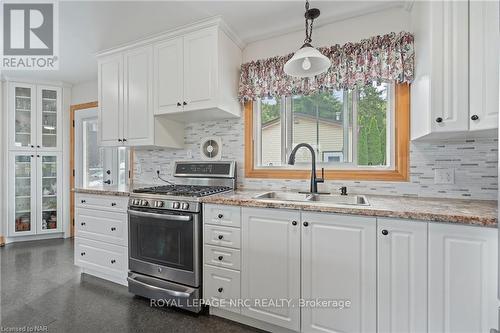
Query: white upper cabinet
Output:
(484,57)
(148,89)
(462,278)
(456,67)
(35,120)
(110,86)
(271,264)
(126,103)
(402,275)
(339,263)
(138,97)
(200,64)
(197,76)
(168,76)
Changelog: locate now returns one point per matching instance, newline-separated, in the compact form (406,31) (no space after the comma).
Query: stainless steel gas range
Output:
(165,233)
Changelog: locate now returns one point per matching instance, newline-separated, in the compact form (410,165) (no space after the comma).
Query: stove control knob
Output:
(144,203)
(185,205)
(137,202)
(160,204)
(176,205)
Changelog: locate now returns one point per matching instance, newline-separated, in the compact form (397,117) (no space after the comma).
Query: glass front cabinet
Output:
(35,117)
(34,198)
(35,169)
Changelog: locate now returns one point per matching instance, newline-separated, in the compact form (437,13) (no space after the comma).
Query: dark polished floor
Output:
(40,286)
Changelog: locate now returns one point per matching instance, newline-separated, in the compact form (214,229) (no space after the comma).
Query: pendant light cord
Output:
(309,25)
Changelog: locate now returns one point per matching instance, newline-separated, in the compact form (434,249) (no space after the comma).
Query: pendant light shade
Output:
(307,61)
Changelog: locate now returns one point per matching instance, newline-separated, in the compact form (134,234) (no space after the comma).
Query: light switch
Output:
(444,176)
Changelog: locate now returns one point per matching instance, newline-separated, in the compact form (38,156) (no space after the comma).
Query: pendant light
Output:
(307,61)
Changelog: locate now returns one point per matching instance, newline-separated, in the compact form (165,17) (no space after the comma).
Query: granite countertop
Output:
(105,190)
(471,212)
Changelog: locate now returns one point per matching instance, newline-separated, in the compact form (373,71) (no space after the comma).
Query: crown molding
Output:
(182,30)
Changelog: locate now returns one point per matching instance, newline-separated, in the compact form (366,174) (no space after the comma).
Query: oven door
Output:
(165,244)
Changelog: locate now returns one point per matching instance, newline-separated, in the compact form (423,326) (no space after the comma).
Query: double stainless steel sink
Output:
(352,200)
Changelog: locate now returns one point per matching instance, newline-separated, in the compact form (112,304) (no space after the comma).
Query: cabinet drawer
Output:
(102,226)
(222,215)
(106,202)
(221,284)
(102,257)
(222,236)
(222,257)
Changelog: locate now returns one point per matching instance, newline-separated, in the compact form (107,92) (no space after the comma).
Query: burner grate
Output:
(184,190)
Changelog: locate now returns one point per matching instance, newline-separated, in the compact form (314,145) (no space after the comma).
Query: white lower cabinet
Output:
(379,274)
(271,264)
(101,236)
(222,257)
(339,264)
(402,275)
(462,278)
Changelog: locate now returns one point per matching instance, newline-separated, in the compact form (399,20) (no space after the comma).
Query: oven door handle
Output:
(173,293)
(185,218)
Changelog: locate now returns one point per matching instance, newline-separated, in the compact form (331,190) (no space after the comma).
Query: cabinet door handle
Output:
(119,140)
(32,146)
(474,117)
(179,104)
(82,254)
(184,103)
(220,258)
(439,120)
(113,228)
(82,224)
(385,232)
(305,224)
(38,146)
(124,140)
(220,290)
(220,216)
(113,261)
(37,155)
(83,201)
(113,204)
(220,237)
(294,222)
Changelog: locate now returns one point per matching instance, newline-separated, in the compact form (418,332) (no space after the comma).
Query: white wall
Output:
(341,32)
(84,92)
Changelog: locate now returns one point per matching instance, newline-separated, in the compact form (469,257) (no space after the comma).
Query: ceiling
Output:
(87,27)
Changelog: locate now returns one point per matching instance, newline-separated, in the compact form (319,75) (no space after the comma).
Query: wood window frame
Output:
(401,149)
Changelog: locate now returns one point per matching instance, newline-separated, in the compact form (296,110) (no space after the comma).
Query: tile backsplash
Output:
(474,161)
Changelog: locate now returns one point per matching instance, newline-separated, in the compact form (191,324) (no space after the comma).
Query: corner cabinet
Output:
(35,187)
(456,67)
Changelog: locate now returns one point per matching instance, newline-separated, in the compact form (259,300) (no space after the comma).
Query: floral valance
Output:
(379,58)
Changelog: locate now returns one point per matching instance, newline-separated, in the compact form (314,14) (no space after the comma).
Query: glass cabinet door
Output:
(49,188)
(49,117)
(24,118)
(22,184)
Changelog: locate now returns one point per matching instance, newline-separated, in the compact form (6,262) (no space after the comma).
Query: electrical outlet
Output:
(189,153)
(444,176)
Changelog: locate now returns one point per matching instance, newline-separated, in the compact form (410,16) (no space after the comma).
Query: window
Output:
(357,134)
(94,165)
